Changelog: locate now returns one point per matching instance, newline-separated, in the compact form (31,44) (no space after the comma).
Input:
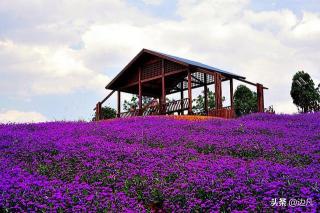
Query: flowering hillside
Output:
(255,163)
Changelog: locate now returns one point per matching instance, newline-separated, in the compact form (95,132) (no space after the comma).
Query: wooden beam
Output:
(251,83)
(231,93)
(105,99)
(152,61)
(98,111)
(260,98)
(140,92)
(163,87)
(176,88)
(119,104)
(154,78)
(205,94)
(181,97)
(195,87)
(198,81)
(189,93)
(195,82)
(218,92)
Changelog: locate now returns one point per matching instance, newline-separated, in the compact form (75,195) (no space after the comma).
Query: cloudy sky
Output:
(57,56)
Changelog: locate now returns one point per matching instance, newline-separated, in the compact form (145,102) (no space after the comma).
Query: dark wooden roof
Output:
(182,61)
(201,65)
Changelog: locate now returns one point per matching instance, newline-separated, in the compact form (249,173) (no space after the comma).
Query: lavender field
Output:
(162,164)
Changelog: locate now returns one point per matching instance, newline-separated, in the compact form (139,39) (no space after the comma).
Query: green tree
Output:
(133,103)
(304,93)
(107,113)
(198,108)
(245,101)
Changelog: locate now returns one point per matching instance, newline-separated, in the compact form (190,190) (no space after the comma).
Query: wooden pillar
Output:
(140,92)
(260,98)
(181,96)
(231,99)
(218,91)
(189,93)
(98,111)
(119,104)
(231,93)
(163,89)
(205,94)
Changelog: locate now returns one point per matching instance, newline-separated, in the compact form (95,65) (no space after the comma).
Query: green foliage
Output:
(198,108)
(107,113)
(43,169)
(245,101)
(270,110)
(304,93)
(133,103)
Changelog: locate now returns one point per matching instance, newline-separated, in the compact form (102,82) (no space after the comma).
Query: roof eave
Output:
(124,69)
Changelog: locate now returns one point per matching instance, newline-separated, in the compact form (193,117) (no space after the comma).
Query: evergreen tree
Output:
(304,93)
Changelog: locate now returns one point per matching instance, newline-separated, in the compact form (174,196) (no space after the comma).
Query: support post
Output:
(189,93)
(181,96)
(160,105)
(218,91)
(140,93)
(98,111)
(260,98)
(231,93)
(163,87)
(205,94)
(119,104)
(231,97)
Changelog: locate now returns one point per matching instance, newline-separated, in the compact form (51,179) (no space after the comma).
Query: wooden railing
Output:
(225,112)
(168,108)
(176,106)
(130,113)
(152,110)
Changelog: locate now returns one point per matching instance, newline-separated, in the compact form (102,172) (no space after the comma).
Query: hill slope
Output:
(161,163)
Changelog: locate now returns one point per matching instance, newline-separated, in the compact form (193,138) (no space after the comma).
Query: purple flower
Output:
(160,164)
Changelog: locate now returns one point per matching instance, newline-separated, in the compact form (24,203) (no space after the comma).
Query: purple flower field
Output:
(162,164)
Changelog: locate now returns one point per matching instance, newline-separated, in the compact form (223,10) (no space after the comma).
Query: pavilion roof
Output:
(201,65)
(179,60)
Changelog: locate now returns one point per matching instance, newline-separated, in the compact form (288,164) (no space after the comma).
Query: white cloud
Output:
(14,116)
(40,70)
(267,46)
(153,2)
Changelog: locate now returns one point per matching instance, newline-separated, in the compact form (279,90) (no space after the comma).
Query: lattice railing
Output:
(151,110)
(176,106)
(170,107)
(130,113)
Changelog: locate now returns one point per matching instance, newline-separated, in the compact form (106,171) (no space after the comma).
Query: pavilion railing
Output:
(130,113)
(176,106)
(167,108)
(225,112)
(151,110)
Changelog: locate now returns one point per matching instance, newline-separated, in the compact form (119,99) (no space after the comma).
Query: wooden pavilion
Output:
(157,75)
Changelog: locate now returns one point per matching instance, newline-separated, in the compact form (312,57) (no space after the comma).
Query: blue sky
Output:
(56,58)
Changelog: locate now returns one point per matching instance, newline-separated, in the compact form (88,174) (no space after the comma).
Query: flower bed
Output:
(160,163)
